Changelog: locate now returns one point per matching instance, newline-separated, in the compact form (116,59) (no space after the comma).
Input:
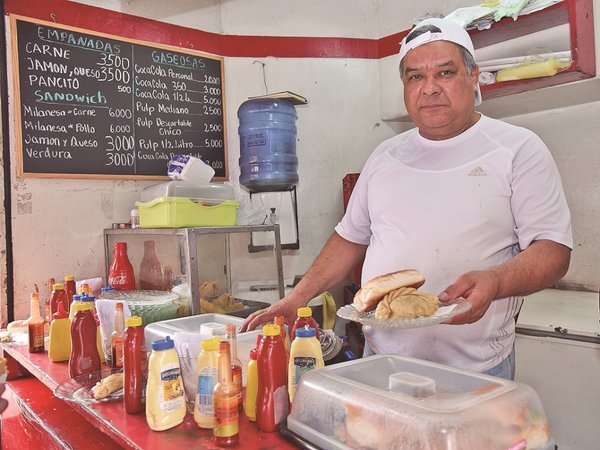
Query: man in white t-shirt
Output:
(474,203)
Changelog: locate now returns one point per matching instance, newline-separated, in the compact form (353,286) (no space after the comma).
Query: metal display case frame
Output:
(188,256)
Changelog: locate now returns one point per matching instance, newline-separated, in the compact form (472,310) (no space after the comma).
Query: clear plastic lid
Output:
(210,192)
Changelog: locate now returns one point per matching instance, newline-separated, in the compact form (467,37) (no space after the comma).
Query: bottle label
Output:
(303,364)
(280,401)
(236,373)
(170,394)
(206,383)
(118,355)
(226,416)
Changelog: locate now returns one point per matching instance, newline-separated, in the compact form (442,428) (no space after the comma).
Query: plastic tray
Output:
(180,212)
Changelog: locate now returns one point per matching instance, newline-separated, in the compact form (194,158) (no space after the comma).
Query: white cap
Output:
(450,31)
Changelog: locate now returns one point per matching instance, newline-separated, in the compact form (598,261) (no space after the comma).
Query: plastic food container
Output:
(389,401)
(193,324)
(179,212)
(151,306)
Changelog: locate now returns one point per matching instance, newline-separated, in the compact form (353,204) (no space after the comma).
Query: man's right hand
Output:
(284,307)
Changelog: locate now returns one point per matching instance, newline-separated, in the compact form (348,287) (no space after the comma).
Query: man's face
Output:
(438,91)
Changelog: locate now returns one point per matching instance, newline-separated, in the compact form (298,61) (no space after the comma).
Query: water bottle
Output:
(267,131)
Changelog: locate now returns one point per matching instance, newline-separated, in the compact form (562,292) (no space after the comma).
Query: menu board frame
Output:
(30,160)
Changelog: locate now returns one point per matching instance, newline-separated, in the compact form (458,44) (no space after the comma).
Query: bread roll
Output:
(367,298)
(108,385)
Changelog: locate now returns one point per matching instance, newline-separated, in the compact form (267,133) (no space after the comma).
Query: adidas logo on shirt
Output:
(477,172)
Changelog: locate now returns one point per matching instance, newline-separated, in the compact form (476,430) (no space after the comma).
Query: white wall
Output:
(57,224)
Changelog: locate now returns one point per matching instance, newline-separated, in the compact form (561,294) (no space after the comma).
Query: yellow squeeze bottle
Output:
(251,387)
(59,344)
(165,401)
(546,68)
(204,413)
(73,307)
(305,355)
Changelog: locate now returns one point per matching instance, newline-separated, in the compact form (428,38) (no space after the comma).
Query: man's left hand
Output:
(478,288)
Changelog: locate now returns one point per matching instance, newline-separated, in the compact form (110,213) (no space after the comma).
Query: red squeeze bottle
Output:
(304,318)
(58,295)
(120,275)
(70,288)
(225,400)
(84,357)
(134,363)
(272,400)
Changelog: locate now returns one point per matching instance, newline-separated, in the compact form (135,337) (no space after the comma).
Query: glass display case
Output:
(212,269)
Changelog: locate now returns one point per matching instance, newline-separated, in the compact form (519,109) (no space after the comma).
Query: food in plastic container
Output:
(389,401)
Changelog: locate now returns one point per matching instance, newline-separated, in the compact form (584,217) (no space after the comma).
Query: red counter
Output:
(35,414)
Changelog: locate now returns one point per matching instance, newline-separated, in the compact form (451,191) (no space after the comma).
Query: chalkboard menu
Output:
(91,105)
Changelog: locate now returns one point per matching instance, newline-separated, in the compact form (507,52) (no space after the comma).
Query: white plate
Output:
(443,313)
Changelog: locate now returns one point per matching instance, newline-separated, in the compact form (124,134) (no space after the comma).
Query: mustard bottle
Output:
(165,402)
(59,344)
(73,307)
(305,355)
(204,413)
(251,387)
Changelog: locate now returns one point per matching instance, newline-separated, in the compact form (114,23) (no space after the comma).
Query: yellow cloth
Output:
(329,310)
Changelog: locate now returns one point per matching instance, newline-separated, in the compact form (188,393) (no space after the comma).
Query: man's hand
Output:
(479,288)
(284,307)
(534,269)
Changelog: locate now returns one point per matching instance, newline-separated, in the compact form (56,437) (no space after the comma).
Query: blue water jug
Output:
(267,131)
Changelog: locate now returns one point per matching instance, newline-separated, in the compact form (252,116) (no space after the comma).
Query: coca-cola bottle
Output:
(120,275)
(151,274)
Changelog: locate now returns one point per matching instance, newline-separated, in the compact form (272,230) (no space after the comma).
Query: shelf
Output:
(577,84)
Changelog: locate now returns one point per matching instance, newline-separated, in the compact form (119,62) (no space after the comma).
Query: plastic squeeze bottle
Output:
(236,364)
(117,338)
(134,365)
(120,275)
(59,344)
(204,413)
(76,300)
(272,401)
(70,288)
(35,325)
(165,402)
(84,357)
(58,295)
(305,355)
(251,387)
(304,318)
(227,417)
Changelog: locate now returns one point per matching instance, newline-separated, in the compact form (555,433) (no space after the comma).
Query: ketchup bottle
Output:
(70,288)
(304,318)
(272,400)
(84,357)
(120,275)
(134,363)
(58,295)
